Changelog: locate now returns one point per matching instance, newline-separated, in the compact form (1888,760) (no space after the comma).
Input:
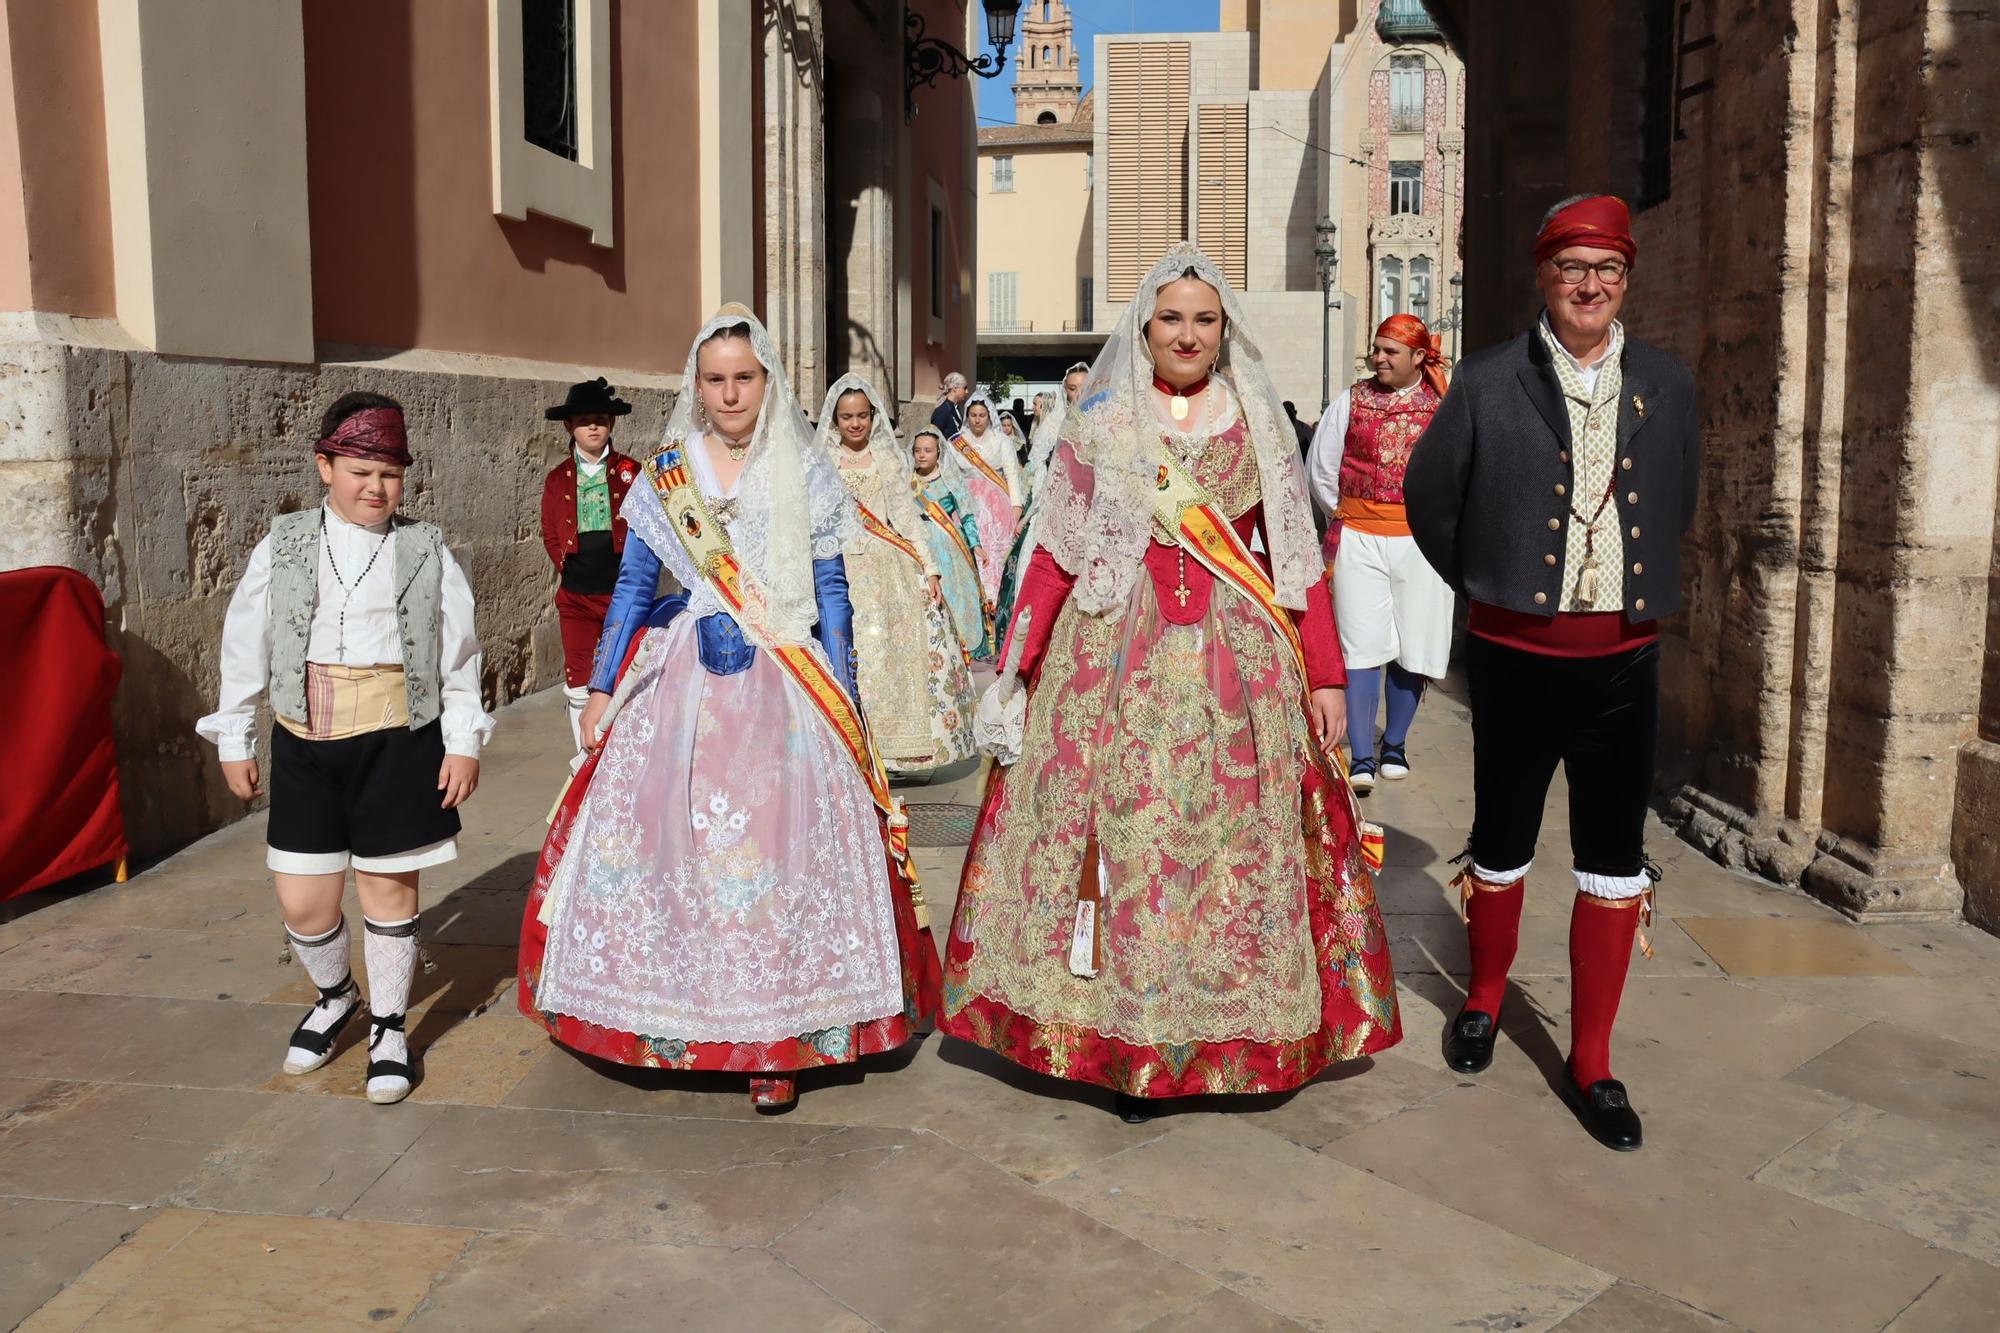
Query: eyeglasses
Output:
(1611,272)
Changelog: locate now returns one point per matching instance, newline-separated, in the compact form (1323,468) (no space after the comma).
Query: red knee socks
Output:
(1600,952)
(1492,932)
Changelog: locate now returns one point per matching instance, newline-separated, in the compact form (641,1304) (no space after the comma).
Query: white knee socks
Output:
(575,697)
(392,966)
(325,959)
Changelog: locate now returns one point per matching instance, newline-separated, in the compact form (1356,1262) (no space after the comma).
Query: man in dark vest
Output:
(1551,490)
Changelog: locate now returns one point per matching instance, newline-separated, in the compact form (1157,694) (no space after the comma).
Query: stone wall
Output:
(155,475)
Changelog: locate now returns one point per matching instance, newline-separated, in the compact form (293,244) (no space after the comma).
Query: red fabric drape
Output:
(60,815)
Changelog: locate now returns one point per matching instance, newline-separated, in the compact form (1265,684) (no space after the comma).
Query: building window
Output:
(1001,307)
(1420,288)
(1389,287)
(1046,118)
(1089,171)
(549,112)
(548,75)
(1086,317)
(1003,175)
(1656,121)
(1406,94)
(1406,187)
(937,262)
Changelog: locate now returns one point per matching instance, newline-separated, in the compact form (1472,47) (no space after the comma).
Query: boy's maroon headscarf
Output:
(1601,222)
(1412,332)
(374,433)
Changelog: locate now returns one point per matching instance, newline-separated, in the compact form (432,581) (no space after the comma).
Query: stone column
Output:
(794,188)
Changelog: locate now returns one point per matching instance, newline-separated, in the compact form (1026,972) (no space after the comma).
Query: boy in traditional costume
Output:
(581,529)
(360,625)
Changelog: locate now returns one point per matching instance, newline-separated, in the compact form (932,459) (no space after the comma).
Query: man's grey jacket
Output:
(1490,482)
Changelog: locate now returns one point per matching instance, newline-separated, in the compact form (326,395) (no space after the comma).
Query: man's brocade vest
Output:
(1382,430)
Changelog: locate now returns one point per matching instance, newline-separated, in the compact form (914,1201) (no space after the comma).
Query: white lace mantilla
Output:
(790,509)
(1098,513)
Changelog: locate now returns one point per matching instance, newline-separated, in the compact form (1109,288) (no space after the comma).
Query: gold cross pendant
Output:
(1181,591)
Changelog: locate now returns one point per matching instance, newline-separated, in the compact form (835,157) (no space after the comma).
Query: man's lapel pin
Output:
(1638,405)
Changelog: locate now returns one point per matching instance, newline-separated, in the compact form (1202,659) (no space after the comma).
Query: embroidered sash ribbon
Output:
(935,512)
(877,528)
(972,456)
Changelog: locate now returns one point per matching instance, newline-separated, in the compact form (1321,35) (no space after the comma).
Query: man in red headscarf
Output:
(1552,490)
(1394,611)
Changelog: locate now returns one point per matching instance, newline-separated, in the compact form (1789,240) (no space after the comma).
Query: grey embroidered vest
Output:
(419,582)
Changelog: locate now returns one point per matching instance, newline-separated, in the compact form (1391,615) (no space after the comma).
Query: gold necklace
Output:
(736,451)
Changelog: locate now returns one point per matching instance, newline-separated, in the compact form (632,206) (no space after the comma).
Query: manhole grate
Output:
(941,823)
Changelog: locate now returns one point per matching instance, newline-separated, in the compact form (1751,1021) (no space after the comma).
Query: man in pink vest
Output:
(1393,609)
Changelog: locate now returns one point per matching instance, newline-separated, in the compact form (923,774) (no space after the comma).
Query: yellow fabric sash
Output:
(708,546)
(877,528)
(1182,507)
(347,701)
(986,469)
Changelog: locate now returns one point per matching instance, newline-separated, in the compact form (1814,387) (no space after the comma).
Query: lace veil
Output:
(1098,514)
(790,506)
(890,461)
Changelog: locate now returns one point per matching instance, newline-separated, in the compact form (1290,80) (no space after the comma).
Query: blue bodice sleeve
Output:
(835,630)
(633,608)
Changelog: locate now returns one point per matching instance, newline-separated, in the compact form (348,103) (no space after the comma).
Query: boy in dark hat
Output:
(358,624)
(582,530)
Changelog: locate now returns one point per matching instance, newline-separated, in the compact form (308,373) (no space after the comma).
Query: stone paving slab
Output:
(1821,1131)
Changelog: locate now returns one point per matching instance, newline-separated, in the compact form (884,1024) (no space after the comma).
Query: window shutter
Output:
(1145,172)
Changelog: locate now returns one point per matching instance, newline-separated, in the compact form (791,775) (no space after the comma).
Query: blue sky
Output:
(996,95)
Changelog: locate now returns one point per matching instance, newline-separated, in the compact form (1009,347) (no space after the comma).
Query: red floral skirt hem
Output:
(1358,1011)
(922,986)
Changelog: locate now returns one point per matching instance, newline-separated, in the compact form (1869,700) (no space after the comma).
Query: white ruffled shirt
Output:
(372,637)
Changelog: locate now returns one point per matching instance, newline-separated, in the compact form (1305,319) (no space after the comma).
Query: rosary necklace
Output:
(347,593)
(1179,407)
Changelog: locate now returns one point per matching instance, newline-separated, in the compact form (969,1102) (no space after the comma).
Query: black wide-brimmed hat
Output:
(588,399)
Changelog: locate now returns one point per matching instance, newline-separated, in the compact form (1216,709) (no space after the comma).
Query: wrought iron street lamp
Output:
(1457,324)
(926,59)
(1327,260)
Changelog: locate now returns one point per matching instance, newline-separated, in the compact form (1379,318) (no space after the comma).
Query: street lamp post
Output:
(1456,323)
(926,59)
(1327,260)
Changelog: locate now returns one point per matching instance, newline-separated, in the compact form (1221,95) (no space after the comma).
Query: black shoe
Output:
(1132,1110)
(1361,776)
(1468,1042)
(1395,763)
(1606,1111)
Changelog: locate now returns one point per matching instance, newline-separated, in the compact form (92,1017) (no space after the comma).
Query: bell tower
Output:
(1048,79)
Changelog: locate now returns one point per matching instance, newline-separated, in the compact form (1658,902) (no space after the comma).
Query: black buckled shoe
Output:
(1468,1041)
(1606,1111)
(1132,1110)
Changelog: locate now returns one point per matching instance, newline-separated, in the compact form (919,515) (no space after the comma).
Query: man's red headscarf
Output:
(374,433)
(1601,222)
(1410,331)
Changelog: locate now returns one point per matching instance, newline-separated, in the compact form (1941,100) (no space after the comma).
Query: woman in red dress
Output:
(1166,894)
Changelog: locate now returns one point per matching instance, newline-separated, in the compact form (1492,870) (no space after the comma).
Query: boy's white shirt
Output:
(372,637)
